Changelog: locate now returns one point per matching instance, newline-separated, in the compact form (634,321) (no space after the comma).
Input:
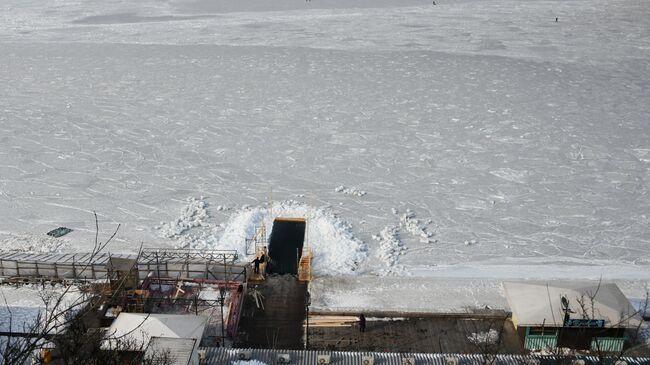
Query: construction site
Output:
(261,301)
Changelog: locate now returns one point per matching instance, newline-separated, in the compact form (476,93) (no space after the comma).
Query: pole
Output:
(307,304)
(225,270)
(222,295)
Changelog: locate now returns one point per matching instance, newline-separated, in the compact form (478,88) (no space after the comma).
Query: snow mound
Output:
(416,228)
(193,214)
(350,191)
(336,251)
(33,243)
(484,338)
(390,246)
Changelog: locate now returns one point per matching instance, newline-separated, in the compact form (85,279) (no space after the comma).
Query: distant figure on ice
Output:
(434,2)
(362,323)
(256,262)
(556,19)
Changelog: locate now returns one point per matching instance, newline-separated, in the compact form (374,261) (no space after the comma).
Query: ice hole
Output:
(285,245)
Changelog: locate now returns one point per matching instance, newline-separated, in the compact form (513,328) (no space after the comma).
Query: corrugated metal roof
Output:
(180,349)
(226,356)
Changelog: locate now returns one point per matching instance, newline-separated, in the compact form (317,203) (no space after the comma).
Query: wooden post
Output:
(36,266)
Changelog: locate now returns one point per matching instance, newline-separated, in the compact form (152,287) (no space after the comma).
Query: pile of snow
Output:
(32,243)
(193,214)
(416,228)
(350,191)
(336,251)
(390,246)
(484,338)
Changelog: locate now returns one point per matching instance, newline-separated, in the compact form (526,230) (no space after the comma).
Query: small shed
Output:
(582,315)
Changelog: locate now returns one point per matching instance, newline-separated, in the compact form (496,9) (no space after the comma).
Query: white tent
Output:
(134,331)
(535,303)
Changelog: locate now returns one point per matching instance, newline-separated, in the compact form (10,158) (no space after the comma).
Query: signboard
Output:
(585,323)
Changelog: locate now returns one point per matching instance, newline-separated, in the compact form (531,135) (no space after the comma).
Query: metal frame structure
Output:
(173,263)
(150,255)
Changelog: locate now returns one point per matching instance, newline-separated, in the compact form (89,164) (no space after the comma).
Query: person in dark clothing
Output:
(362,323)
(256,262)
(262,258)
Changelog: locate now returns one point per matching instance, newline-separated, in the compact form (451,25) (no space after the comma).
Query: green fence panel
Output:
(536,342)
(607,344)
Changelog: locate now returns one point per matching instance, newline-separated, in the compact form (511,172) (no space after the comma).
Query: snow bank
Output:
(336,250)
(32,243)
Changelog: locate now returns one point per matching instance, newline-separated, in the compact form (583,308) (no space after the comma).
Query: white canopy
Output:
(535,303)
(133,331)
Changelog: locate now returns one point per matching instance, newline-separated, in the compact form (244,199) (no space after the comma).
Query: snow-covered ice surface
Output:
(520,144)
(425,294)
(398,294)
